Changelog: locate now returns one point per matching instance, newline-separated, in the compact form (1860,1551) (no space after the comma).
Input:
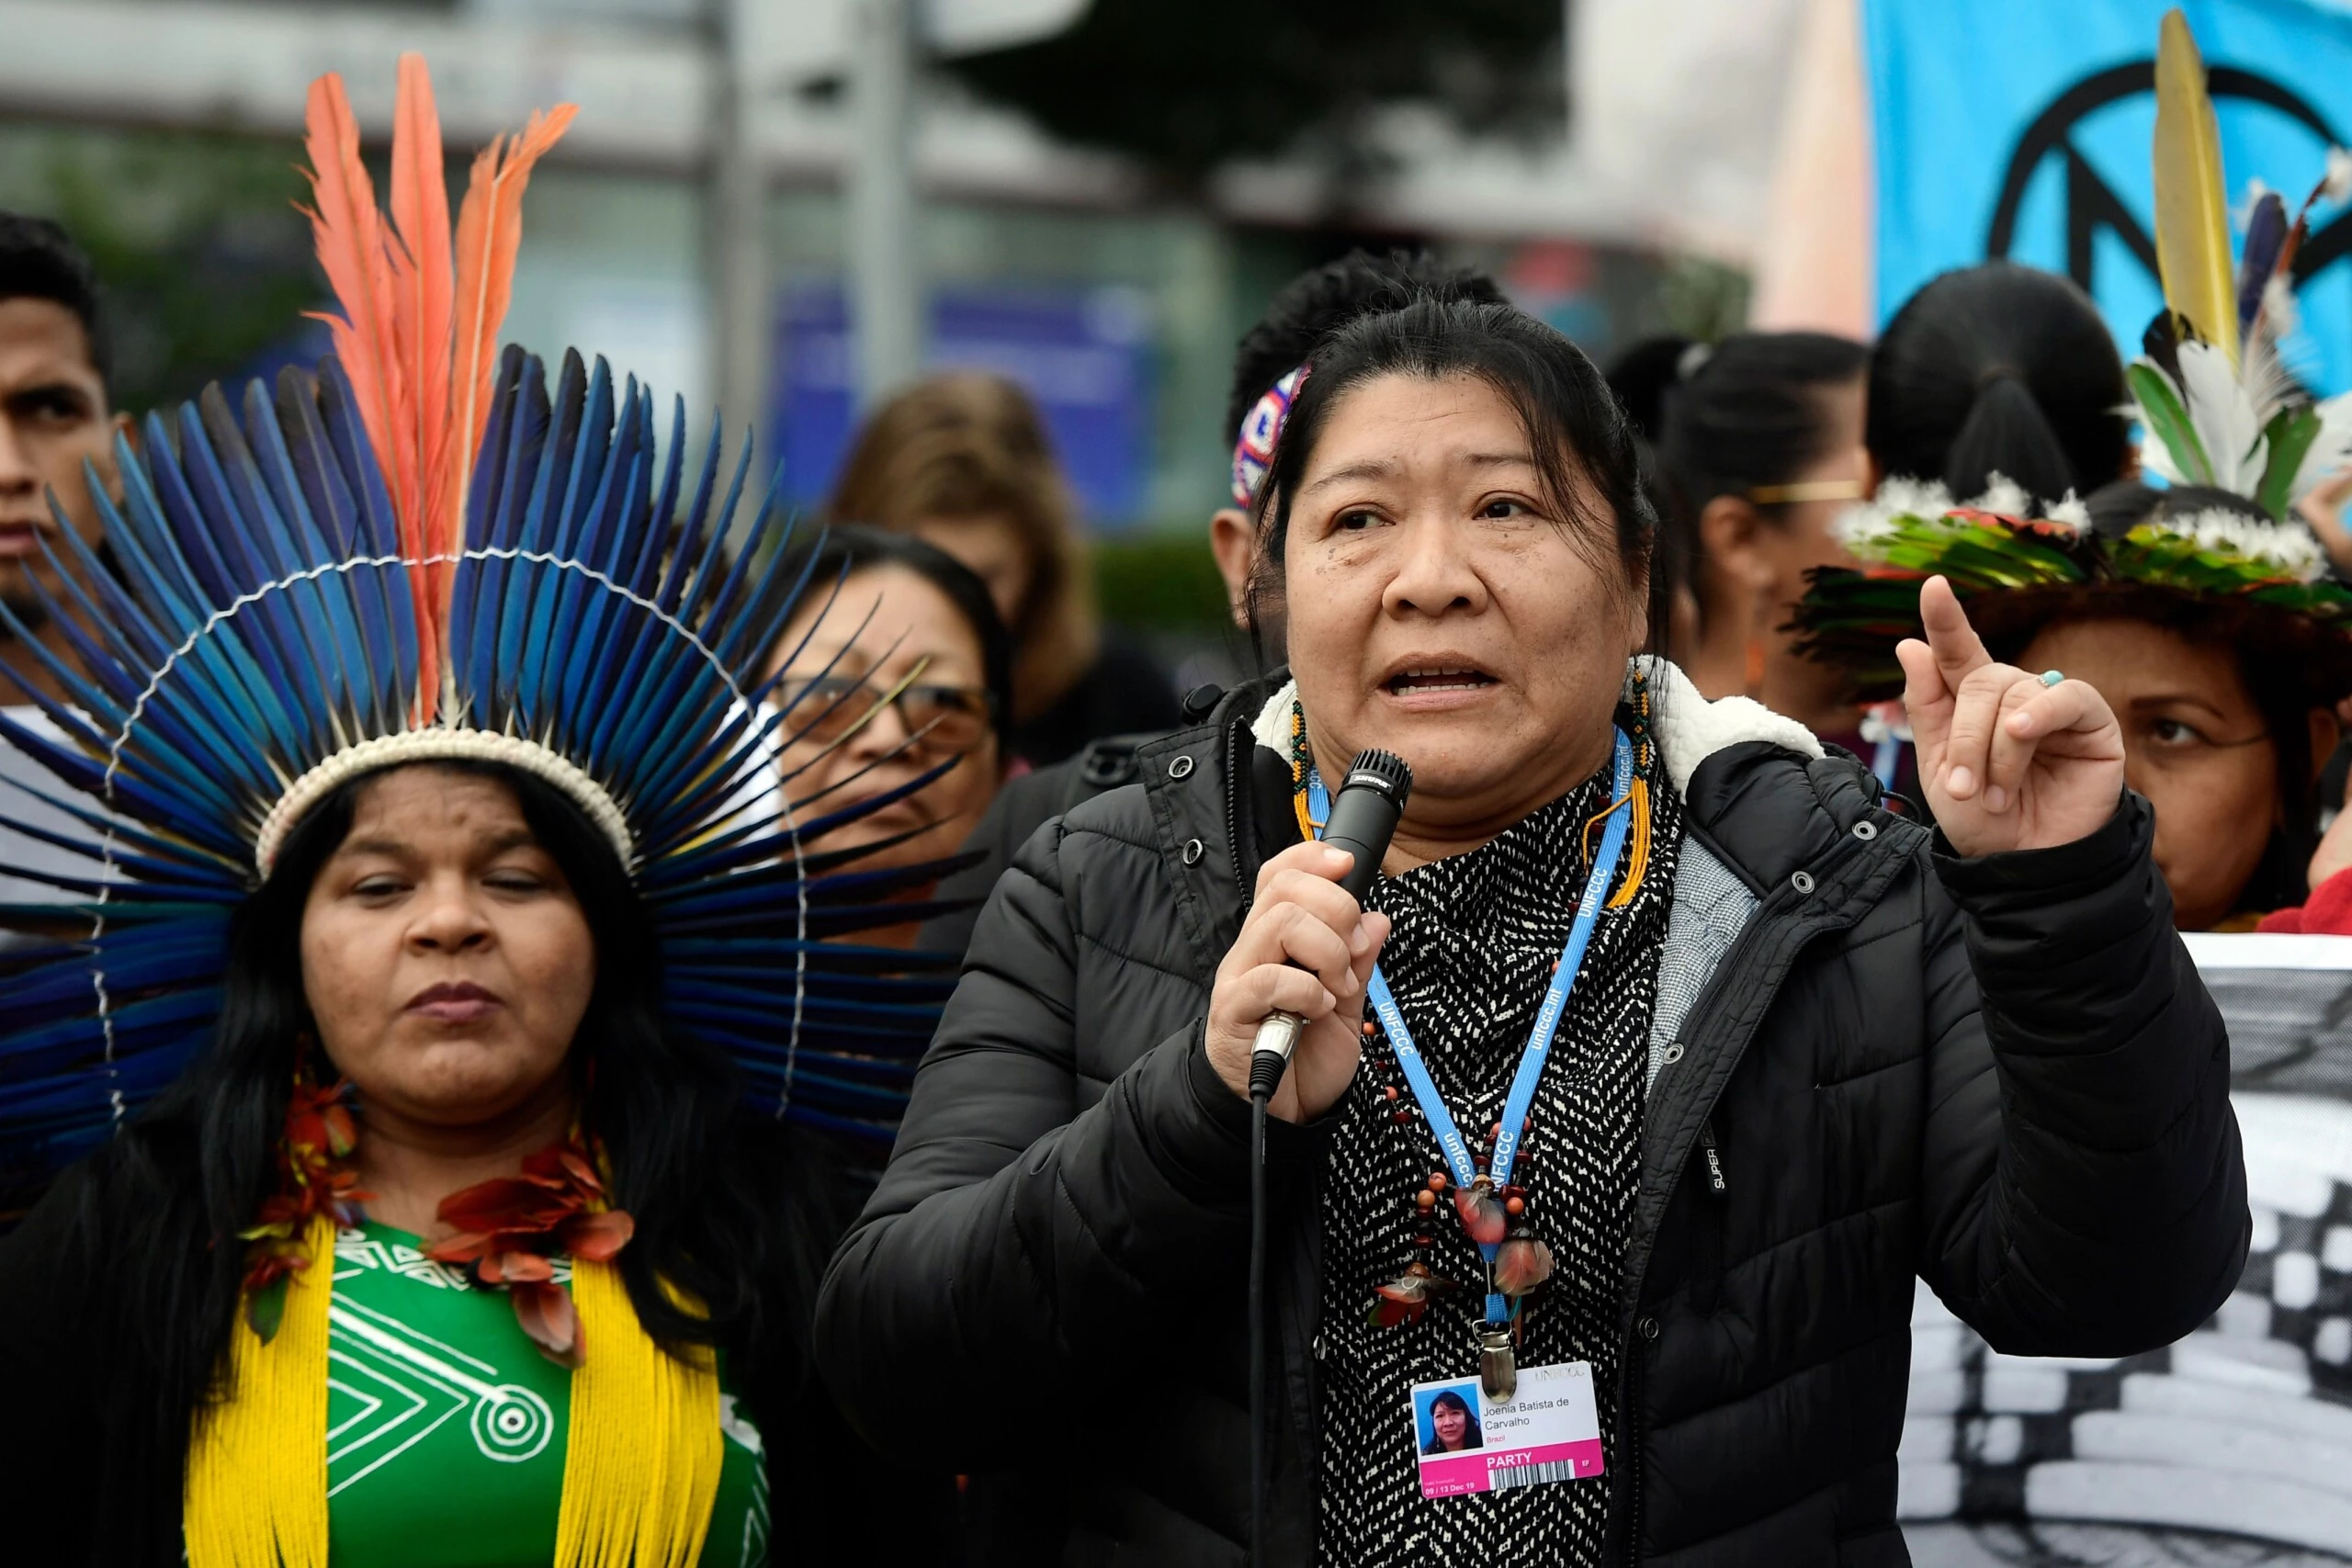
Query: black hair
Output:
(846,548)
(1727,418)
(1575,429)
(39,261)
(168,1195)
(1315,302)
(1472,1437)
(1999,369)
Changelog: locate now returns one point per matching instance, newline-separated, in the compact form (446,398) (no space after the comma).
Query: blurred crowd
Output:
(965,668)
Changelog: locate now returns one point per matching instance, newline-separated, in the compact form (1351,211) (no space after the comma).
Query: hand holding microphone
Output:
(1307,950)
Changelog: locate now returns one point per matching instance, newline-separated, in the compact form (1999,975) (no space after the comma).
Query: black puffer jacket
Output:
(2002,1075)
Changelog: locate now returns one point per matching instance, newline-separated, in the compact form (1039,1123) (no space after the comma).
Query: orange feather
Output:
(418,333)
(424,302)
(349,237)
(490,232)
(423,298)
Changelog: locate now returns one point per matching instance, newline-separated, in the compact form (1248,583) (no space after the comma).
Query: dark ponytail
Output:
(2005,433)
(1999,369)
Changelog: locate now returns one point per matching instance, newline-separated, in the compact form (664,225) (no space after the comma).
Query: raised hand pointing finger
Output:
(2008,760)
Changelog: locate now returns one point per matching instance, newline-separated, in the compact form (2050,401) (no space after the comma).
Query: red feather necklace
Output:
(512,1229)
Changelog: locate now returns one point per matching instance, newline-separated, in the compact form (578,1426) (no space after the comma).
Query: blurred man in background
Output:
(1306,309)
(57,422)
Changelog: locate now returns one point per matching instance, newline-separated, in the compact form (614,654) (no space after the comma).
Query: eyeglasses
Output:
(1808,489)
(941,718)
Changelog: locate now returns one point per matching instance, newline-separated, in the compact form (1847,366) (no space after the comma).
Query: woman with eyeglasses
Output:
(906,675)
(1756,445)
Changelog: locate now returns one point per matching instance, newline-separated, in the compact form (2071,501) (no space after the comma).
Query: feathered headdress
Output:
(2220,407)
(2220,413)
(427,551)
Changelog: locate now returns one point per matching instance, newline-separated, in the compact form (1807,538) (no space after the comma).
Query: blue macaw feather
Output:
(130,967)
(577,616)
(897,988)
(159,887)
(643,578)
(140,537)
(166,583)
(755,619)
(846,920)
(554,463)
(547,619)
(193,857)
(155,763)
(607,742)
(73,717)
(754,1007)
(490,479)
(316,476)
(845,964)
(149,871)
(336,632)
(2265,236)
(171,745)
(118,667)
(135,1022)
(259,681)
(180,524)
(689,551)
(117,688)
(379,531)
(90,777)
(522,435)
(220,471)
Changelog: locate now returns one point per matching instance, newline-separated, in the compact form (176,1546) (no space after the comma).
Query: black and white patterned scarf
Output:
(1475,940)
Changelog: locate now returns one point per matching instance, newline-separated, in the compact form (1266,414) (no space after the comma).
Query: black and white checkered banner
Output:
(2231,1446)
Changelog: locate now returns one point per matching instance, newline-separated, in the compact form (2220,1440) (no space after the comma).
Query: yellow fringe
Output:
(256,1485)
(639,1477)
(642,1468)
(1637,850)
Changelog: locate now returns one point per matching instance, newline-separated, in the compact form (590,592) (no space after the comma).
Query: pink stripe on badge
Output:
(1501,1470)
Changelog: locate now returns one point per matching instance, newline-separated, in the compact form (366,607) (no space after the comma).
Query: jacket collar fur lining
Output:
(1689,729)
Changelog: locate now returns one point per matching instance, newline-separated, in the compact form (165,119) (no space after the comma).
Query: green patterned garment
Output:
(445,1426)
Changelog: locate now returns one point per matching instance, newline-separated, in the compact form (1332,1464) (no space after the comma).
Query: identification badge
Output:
(1549,1429)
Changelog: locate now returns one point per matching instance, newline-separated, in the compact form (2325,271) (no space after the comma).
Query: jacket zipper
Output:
(1234,767)
(1715,1158)
(1634,1362)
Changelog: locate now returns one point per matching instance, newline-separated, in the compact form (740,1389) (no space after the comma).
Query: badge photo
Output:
(1549,1430)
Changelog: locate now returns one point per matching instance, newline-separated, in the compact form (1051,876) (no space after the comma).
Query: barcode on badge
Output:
(1503,1477)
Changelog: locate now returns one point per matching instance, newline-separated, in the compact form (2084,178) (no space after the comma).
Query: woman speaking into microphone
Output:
(1657,1062)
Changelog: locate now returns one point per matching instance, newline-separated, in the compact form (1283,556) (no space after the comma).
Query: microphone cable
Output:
(1361,819)
(1258,1099)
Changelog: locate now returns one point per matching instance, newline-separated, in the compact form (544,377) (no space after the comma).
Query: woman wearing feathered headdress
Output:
(429,1219)
(2204,611)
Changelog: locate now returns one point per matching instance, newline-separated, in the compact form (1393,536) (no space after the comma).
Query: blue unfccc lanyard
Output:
(1547,1018)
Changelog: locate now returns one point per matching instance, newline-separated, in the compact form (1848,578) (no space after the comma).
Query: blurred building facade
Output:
(161,131)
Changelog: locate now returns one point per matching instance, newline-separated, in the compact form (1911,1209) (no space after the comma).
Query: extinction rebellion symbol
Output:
(2090,204)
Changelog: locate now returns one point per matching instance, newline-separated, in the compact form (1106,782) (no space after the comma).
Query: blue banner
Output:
(2022,128)
(1083,354)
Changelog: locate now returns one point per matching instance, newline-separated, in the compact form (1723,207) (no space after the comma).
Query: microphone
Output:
(1363,818)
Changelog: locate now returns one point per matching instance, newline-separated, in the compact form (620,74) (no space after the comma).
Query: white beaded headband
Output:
(440,743)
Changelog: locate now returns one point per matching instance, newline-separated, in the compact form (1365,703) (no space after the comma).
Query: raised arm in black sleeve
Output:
(2084,1190)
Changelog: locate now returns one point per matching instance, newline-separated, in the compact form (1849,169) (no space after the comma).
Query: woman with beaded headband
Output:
(1657,1065)
(2204,611)
(461,1017)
